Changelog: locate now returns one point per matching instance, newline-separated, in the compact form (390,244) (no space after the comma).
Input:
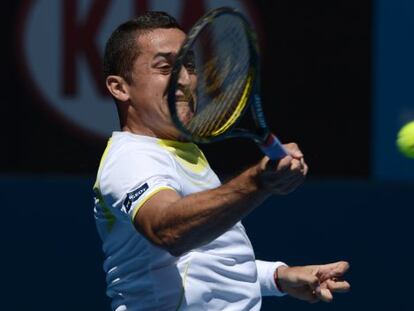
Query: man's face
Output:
(150,76)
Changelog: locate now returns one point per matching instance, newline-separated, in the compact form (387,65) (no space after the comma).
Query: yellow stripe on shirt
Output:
(186,153)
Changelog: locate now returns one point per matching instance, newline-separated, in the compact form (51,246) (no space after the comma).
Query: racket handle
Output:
(273,148)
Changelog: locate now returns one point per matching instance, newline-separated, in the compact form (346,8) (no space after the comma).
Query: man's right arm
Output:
(179,224)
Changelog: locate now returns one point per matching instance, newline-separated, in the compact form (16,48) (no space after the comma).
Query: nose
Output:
(184,77)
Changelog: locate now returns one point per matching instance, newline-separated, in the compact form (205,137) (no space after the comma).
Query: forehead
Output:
(160,41)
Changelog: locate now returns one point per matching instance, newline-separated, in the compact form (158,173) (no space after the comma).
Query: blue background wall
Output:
(393,75)
(53,261)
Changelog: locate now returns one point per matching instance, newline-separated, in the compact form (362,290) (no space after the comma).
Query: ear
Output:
(118,88)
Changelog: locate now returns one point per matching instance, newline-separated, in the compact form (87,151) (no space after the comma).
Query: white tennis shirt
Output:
(220,275)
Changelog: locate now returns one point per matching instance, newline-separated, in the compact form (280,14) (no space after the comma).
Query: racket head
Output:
(221,54)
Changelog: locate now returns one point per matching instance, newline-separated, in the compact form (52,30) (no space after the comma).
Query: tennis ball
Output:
(405,140)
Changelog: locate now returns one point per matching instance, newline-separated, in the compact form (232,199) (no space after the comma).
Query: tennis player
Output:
(171,230)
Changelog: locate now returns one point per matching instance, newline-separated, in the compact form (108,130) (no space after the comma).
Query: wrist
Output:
(257,175)
(278,277)
(266,175)
(249,182)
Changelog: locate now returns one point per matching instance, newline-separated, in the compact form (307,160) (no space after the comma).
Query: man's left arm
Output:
(309,283)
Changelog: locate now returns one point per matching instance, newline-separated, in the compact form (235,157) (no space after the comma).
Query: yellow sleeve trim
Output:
(103,158)
(149,196)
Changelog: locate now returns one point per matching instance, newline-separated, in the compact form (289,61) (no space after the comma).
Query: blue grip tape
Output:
(273,148)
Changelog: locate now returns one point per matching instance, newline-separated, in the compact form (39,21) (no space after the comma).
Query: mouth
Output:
(184,93)
(181,97)
(185,107)
(186,97)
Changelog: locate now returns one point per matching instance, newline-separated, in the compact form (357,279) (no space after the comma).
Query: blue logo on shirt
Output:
(134,195)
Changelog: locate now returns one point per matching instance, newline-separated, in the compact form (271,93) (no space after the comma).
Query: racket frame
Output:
(268,142)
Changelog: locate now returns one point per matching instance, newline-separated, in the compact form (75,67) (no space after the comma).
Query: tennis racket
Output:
(215,79)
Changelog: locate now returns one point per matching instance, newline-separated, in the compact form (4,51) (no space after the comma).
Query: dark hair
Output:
(121,50)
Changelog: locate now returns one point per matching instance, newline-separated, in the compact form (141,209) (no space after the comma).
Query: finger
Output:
(338,286)
(293,150)
(287,163)
(295,170)
(324,294)
(339,270)
(284,164)
(278,165)
(305,169)
(333,270)
(304,165)
(287,171)
(288,175)
(296,165)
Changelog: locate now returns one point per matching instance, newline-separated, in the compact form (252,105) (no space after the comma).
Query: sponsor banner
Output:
(61,47)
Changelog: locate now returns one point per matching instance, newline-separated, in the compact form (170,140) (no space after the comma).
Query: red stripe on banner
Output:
(80,38)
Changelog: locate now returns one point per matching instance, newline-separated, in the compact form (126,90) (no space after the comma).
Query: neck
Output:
(137,122)
(169,133)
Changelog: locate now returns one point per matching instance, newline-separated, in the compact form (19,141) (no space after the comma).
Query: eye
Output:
(190,66)
(164,67)
(189,62)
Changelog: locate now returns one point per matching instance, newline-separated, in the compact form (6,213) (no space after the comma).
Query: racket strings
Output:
(222,110)
(219,110)
(226,101)
(214,79)
(222,66)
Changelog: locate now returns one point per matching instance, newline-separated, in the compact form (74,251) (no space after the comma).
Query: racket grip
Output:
(273,148)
